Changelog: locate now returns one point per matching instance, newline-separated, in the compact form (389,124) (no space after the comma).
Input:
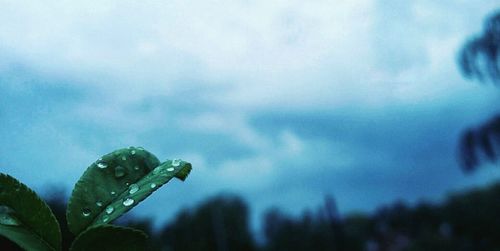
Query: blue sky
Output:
(281,102)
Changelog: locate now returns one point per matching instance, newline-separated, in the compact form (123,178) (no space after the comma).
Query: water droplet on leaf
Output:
(120,171)
(136,168)
(133,189)
(112,193)
(170,169)
(124,158)
(86,212)
(7,217)
(132,152)
(9,220)
(109,209)
(157,170)
(99,204)
(102,165)
(128,202)
(153,185)
(105,218)
(176,162)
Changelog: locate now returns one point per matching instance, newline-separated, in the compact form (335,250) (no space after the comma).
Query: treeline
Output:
(466,221)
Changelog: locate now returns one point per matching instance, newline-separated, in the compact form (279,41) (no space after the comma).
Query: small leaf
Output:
(117,182)
(110,238)
(25,218)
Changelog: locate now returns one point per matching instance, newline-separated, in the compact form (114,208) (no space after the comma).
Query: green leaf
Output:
(116,183)
(25,218)
(110,238)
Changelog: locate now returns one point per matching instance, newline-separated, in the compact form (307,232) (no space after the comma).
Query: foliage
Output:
(220,223)
(463,221)
(25,218)
(110,187)
(483,141)
(480,58)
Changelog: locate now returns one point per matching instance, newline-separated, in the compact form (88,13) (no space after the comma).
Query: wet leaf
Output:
(116,183)
(25,218)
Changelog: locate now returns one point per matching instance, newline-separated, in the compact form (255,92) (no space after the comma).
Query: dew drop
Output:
(136,168)
(133,189)
(112,193)
(170,169)
(157,170)
(9,220)
(109,209)
(128,202)
(102,165)
(86,211)
(176,162)
(132,152)
(124,158)
(7,217)
(105,218)
(127,184)
(120,171)
(153,185)
(99,203)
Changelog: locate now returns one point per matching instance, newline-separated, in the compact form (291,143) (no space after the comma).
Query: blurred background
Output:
(311,125)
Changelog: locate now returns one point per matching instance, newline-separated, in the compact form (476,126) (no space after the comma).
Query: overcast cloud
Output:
(279,101)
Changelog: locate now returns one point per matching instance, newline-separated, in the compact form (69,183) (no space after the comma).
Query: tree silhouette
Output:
(218,224)
(480,59)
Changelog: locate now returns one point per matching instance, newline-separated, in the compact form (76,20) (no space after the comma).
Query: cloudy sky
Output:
(281,102)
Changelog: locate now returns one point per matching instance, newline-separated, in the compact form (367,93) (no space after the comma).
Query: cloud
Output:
(281,101)
(285,54)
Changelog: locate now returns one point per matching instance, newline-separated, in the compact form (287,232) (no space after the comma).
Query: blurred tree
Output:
(480,59)
(357,231)
(146,225)
(309,232)
(56,199)
(219,224)
(321,231)
(473,220)
(464,221)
